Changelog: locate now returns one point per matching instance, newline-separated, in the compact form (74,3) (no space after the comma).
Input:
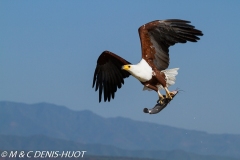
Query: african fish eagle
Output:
(156,37)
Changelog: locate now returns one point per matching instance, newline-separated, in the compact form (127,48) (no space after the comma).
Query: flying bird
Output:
(156,37)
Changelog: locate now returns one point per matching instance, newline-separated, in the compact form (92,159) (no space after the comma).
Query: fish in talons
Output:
(161,103)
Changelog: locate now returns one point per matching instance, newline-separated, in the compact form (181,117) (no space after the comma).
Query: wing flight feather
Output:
(108,75)
(157,36)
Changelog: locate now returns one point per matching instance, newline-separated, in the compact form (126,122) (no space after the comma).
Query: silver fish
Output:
(160,104)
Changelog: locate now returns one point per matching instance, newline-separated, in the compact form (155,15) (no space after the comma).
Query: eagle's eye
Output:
(129,66)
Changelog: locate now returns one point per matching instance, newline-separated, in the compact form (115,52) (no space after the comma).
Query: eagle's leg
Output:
(161,98)
(161,78)
(160,95)
(168,93)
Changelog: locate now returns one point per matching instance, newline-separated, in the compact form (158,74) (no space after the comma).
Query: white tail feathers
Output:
(170,75)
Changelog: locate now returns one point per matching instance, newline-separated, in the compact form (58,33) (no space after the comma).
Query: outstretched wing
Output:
(108,75)
(157,36)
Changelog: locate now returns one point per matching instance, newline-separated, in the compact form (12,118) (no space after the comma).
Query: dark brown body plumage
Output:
(157,79)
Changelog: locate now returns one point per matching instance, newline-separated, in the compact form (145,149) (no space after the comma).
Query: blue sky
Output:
(48,53)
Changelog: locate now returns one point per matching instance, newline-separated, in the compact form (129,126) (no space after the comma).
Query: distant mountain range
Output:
(87,128)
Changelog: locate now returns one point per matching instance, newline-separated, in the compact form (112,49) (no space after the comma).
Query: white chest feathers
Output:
(142,71)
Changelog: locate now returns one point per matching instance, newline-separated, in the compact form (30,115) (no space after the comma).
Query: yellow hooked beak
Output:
(126,67)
